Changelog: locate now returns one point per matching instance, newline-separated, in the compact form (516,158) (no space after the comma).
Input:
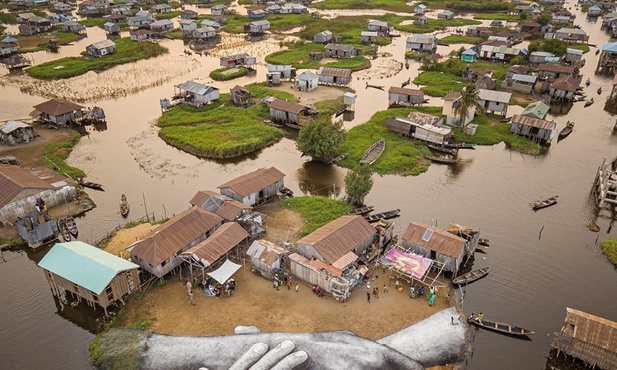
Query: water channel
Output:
(541,262)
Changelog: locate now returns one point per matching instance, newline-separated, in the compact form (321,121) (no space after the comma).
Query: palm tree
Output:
(469,98)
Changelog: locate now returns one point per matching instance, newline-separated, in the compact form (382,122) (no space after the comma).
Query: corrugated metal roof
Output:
(340,47)
(84,265)
(524,78)
(278,68)
(57,107)
(422,118)
(592,329)
(538,109)
(335,239)
(491,95)
(219,204)
(14,179)
(337,72)
(567,83)
(265,251)
(315,265)
(239,89)
(519,69)
(260,23)
(10,126)
(224,239)
(324,33)
(287,106)
(421,38)
(168,239)
(404,91)
(253,182)
(236,56)
(441,241)
(611,47)
(533,122)
(369,34)
(556,68)
(307,76)
(195,87)
(455,95)
(345,261)
(103,44)
(200,198)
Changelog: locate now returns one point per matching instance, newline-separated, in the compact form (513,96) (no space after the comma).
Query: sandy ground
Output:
(256,302)
(321,93)
(282,225)
(126,237)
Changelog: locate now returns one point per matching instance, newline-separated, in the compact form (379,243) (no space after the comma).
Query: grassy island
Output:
(297,54)
(316,211)
(226,74)
(221,129)
(609,247)
(127,51)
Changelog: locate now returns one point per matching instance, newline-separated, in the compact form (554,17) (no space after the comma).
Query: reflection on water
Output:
(561,108)
(317,178)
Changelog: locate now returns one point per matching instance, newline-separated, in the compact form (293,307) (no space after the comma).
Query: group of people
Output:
(475,318)
(41,207)
(211,288)
(282,278)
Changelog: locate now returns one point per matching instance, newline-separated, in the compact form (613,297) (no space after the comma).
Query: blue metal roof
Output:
(612,47)
(84,265)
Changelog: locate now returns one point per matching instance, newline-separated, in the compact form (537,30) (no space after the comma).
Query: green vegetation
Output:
(169,15)
(401,156)
(226,74)
(278,22)
(316,211)
(93,22)
(490,131)
(348,28)
(358,183)
(477,6)
(218,130)
(11,242)
(175,34)
(127,51)
(458,39)
(8,18)
(106,353)
(609,247)
(297,54)
(433,24)
(497,16)
(438,83)
(261,90)
(320,139)
(555,46)
(393,5)
(29,44)
(583,47)
(415,55)
(55,155)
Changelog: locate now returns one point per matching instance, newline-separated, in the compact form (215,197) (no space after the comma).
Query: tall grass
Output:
(316,211)
(498,16)
(55,155)
(393,5)
(348,28)
(297,54)
(438,83)
(127,51)
(220,75)
(609,247)
(433,24)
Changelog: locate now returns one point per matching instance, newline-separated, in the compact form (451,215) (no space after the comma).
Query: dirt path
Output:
(126,237)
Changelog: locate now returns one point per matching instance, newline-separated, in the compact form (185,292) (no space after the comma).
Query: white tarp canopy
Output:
(224,272)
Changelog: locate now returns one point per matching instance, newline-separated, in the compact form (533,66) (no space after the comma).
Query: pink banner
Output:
(411,263)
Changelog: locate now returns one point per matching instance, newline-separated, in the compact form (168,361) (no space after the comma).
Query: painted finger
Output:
(291,361)
(250,357)
(273,356)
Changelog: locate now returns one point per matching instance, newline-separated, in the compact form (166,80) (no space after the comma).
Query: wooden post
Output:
(145,206)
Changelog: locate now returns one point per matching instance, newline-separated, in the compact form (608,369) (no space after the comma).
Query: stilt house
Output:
(89,273)
(266,257)
(532,128)
(236,60)
(241,96)
(403,96)
(220,205)
(341,51)
(438,245)
(59,112)
(256,187)
(334,76)
(158,252)
(288,112)
(195,93)
(589,338)
(101,48)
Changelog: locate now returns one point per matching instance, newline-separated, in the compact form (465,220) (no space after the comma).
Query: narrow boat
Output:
(293,125)
(406,64)
(287,191)
(460,145)
(499,326)
(484,241)
(91,185)
(440,159)
(374,86)
(505,120)
(124,206)
(382,216)
(360,211)
(597,51)
(374,152)
(340,111)
(443,149)
(405,83)
(338,158)
(66,234)
(588,103)
(539,204)
(71,225)
(566,131)
(270,123)
(471,276)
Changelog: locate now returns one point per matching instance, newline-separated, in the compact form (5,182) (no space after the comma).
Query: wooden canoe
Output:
(71,225)
(484,241)
(500,327)
(471,276)
(460,145)
(440,159)
(360,211)
(66,235)
(566,131)
(91,185)
(338,158)
(443,149)
(539,204)
(287,191)
(384,215)
(374,152)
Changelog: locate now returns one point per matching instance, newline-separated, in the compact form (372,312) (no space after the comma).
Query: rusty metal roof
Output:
(345,261)
(422,118)
(253,182)
(239,89)
(556,68)
(567,83)
(315,265)
(533,122)
(169,238)
(455,95)
(333,240)
(200,198)
(287,106)
(404,91)
(224,239)
(591,329)
(14,179)
(441,241)
(336,72)
(218,204)
(57,107)
(265,251)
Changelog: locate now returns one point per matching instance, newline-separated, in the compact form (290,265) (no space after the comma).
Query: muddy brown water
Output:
(541,262)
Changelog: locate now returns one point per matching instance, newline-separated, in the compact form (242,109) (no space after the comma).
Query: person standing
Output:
(189,285)
(297,286)
(192,298)
(368,297)
(288,284)
(376,292)
(385,288)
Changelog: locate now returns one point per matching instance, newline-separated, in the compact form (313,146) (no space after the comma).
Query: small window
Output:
(427,235)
